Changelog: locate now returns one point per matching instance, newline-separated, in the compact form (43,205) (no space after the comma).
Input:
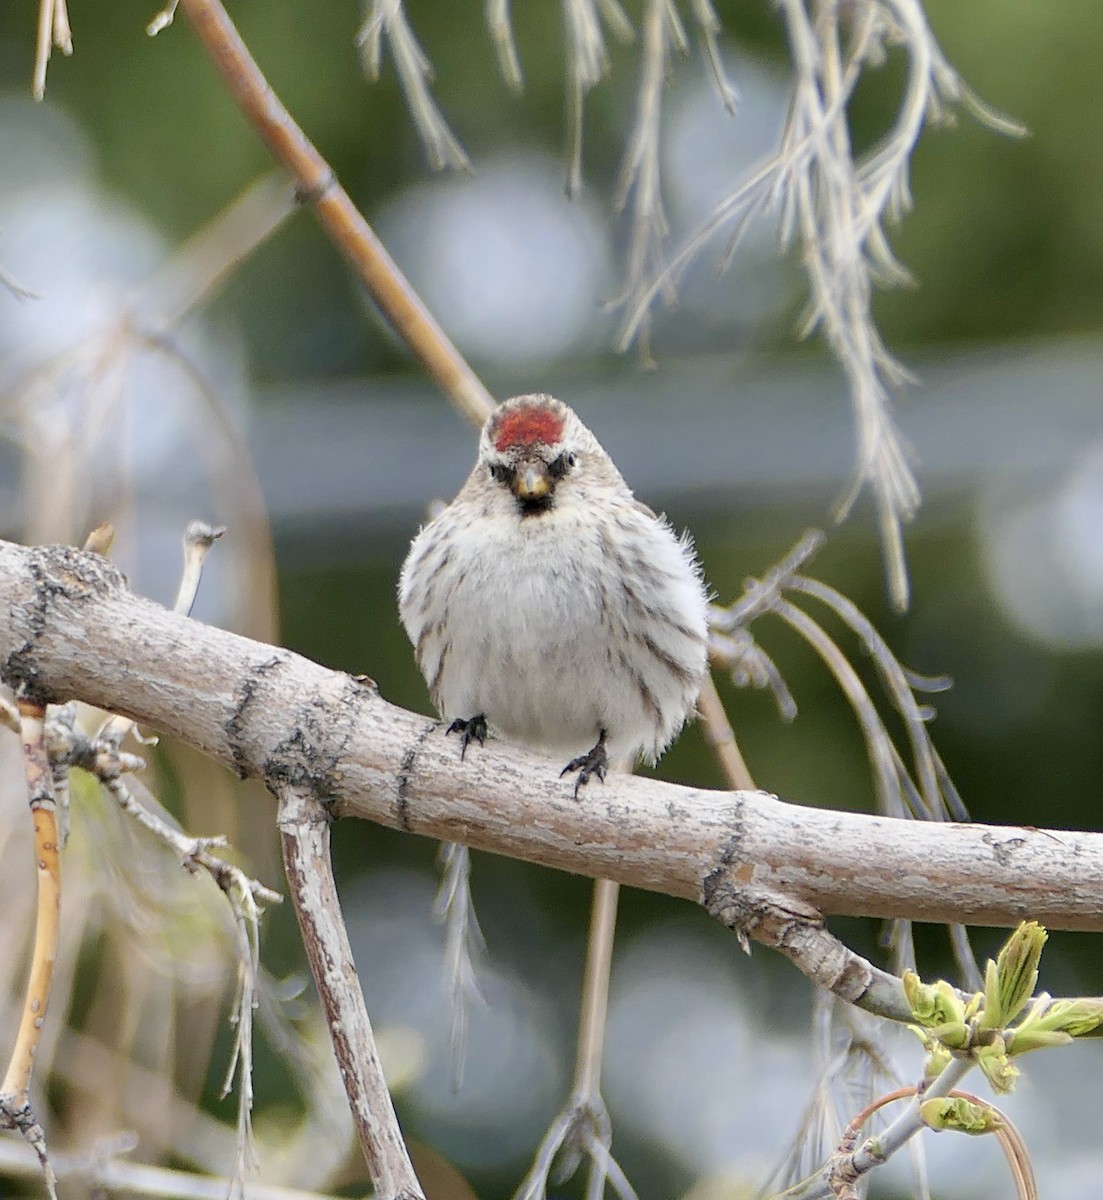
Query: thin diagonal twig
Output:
(337,214)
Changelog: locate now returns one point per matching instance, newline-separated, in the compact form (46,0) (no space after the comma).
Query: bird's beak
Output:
(532,482)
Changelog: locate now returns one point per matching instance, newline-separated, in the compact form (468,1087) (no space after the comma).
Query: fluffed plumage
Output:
(547,601)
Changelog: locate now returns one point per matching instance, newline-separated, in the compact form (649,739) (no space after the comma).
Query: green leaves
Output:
(1009,982)
(960,1114)
(981,1027)
(1056,1023)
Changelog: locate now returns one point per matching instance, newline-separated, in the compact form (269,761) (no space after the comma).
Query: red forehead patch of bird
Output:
(527,425)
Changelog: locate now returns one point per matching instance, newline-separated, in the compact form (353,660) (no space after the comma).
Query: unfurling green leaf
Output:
(933,1004)
(1009,982)
(1028,1037)
(1074,1017)
(957,1113)
(997,1066)
(938,1059)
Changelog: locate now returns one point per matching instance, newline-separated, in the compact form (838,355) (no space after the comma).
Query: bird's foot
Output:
(593,764)
(470,729)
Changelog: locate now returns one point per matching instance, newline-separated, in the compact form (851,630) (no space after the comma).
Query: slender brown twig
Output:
(15,1105)
(318,186)
(721,737)
(32,714)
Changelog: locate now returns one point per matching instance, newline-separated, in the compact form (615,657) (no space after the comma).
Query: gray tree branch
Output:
(73,630)
(304,834)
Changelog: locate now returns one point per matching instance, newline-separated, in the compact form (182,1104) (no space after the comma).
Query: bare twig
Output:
(587,64)
(501,32)
(582,1128)
(9,714)
(801,936)
(192,852)
(163,19)
(340,218)
(101,539)
(721,737)
(708,28)
(32,715)
(247,898)
(53,30)
(901,687)
(577,1130)
(759,595)
(595,995)
(837,207)
(243,903)
(104,1169)
(304,833)
(16,1111)
(921,789)
(850,1167)
(102,757)
(386,22)
(851,1061)
(199,537)
(230,466)
(797,931)
(13,285)
(640,187)
(211,255)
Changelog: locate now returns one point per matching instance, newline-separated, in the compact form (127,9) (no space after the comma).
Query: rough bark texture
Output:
(304,833)
(72,630)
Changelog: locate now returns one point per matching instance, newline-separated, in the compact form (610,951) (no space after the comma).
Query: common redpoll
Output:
(548,605)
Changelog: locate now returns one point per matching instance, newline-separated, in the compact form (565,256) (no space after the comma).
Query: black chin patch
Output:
(536,506)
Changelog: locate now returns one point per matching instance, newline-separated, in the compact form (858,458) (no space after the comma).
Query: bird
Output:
(549,607)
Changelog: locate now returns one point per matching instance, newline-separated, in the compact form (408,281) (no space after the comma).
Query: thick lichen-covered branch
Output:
(74,630)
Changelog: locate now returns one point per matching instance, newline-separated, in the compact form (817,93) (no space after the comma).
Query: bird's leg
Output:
(593,764)
(471,729)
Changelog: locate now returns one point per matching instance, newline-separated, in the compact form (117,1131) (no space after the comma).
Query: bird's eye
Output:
(559,467)
(502,472)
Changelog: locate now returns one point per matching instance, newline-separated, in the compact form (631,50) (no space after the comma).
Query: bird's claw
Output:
(471,729)
(591,765)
